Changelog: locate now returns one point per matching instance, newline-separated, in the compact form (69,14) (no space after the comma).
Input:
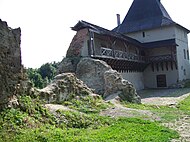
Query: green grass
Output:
(87,104)
(74,119)
(166,113)
(32,122)
(184,105)
(122,130)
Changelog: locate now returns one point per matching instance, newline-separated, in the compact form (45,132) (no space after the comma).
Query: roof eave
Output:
(188,31)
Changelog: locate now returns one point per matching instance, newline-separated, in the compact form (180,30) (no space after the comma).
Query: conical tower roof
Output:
(143,15)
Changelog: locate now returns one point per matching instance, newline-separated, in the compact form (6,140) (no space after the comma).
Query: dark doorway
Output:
(161,80)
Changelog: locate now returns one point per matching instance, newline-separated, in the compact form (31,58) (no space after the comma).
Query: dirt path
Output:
(151,97)
(120,111)
(163,96)
(182,126)
(156,97)
(170,97)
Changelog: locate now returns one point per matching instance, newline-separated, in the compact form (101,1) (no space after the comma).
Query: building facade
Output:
(148,47)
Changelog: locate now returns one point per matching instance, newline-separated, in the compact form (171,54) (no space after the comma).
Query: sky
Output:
(45,24)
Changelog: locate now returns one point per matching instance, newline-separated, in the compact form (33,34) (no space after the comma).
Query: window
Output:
(185,35)
(184,71)
(184,52)
(143,34)
(187,54)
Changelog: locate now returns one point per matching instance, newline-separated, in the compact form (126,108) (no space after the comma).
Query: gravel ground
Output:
(157,97)
(120,111)
(151,97)
(163,96)
(181,125)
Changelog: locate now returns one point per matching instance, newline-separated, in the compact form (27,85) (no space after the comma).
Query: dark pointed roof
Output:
(144,15)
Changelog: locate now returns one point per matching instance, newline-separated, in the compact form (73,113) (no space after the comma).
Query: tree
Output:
(47,70)
(35,78)
(42,76)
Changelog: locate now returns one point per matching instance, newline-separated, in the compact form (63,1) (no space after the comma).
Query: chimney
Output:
(118,19)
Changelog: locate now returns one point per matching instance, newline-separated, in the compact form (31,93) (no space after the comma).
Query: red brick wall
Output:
(75,48)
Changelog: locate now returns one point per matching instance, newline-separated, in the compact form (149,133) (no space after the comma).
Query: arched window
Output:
(184,52)
(187,54)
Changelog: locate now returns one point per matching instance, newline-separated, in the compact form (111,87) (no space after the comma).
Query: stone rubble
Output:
(64,87)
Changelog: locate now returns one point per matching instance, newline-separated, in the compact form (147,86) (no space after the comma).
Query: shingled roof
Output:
(144,15)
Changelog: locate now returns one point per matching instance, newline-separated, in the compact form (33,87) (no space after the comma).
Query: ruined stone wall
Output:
(10,62)
(77,44)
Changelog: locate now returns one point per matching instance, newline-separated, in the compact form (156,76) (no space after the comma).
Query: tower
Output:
(148,22)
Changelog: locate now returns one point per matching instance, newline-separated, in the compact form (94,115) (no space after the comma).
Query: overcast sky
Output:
(45,24)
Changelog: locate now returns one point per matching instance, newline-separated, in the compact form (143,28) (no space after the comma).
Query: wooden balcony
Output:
(117,54)
(161,58)
(123,61)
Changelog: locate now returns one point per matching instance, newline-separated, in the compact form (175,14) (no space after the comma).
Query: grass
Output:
(74,119)
(87,104)
(122,130)
(184,105)
(166,113)
(32,122)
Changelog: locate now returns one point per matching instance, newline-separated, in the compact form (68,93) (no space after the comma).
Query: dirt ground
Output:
(163,96)
(158,97)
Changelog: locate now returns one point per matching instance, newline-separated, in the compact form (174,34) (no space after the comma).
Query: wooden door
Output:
(161,80)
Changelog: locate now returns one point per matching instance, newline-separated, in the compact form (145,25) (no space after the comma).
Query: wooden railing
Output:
(107,52)
(121,55)
(159,58)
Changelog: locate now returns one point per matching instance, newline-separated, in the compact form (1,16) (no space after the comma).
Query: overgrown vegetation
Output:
(87,104)
(32,122)
(75,119)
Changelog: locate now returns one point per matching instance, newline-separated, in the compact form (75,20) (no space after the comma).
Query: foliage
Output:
(35,78)
(42,76)
(29,109)
(47,71)
(34,108)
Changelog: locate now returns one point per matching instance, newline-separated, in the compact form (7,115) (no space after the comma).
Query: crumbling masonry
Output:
(10,62)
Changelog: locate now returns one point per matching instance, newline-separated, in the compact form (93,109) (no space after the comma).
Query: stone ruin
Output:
(82,74)
(10,63)
(99,76)
(96,74)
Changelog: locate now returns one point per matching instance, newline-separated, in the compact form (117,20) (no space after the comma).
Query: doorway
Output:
(161,80)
